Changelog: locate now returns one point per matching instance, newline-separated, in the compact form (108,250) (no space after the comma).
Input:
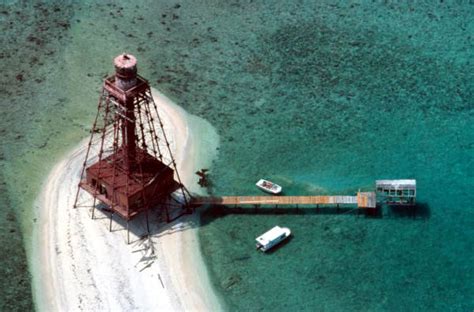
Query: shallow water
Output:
(322,98)
(331,105)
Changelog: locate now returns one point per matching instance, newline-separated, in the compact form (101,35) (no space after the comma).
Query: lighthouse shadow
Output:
(143,236)
(145,225)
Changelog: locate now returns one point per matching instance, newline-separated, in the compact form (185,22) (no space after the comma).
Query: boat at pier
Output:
(268,186)
(272,237)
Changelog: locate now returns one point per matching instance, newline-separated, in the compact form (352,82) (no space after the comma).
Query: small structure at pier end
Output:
(129,165)
(396,192)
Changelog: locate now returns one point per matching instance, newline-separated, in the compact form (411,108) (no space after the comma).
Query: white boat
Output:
(272,237)
(268,186)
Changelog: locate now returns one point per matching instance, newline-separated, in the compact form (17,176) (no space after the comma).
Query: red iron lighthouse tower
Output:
(129,165)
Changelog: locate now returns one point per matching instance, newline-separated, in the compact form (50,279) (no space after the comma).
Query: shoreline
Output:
(79,265)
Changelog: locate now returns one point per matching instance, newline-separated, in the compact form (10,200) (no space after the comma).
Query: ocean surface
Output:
(322,97)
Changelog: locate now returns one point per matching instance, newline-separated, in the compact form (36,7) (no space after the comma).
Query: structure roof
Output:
(396,183)
(111,171)
(125,61)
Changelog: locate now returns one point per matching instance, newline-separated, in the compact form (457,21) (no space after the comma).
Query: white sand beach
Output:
(80,266)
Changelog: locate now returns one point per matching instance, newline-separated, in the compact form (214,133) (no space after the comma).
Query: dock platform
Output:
(362,200)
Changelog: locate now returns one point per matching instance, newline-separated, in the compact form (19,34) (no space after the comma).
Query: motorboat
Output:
(272,237)
(268,186)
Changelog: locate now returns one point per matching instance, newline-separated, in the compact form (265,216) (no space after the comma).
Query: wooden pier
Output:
(362,200)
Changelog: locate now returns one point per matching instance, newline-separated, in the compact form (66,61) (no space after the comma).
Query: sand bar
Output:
(80,266)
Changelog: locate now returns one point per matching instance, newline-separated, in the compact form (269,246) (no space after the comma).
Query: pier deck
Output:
(362,200)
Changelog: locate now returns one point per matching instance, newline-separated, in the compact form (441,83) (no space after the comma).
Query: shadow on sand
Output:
(142,234)
(145,225)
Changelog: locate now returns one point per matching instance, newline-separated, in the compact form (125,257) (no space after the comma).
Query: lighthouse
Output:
(129,165)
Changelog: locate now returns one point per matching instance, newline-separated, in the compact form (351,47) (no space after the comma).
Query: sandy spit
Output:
(78,265)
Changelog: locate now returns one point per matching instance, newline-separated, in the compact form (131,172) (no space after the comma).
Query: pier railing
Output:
(362,200)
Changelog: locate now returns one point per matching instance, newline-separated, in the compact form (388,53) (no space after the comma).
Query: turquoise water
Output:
(322,98)
(333,98)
